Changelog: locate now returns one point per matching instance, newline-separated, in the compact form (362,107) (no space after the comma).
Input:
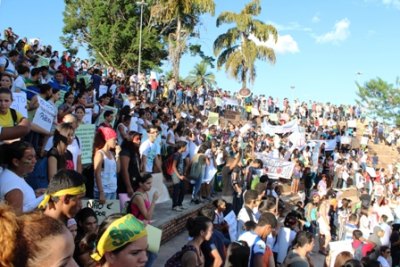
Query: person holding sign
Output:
(121,242)
(12,124)
(106,166)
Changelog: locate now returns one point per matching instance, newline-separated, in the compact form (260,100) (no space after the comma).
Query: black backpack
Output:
(176,259)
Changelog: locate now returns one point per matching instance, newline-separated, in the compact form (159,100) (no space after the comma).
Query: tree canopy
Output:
(237,49)
(380,99)
(178,18)
(111,31)
(201,76)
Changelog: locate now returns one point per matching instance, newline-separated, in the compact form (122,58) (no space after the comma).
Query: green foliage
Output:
(380,99)
(236,49)
(200,76)
(111,31)
(178,18)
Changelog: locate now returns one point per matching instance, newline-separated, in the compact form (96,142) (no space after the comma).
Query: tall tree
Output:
(237,49)
(179,18)
(111,31)
(201,76)
(380,99)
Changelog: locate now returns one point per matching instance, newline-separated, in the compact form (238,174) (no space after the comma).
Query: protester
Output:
(34,239)
(126,247)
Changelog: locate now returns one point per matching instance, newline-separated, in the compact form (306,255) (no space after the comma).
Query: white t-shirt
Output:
(19,83)
(10,181)
(151,151)
(256,244)
(10,68)
(242,218)
(383,261)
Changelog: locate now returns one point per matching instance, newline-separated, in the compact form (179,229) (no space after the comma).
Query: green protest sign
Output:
(85,133)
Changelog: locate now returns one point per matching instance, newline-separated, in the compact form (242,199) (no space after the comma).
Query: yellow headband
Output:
(69,191)
(121,232)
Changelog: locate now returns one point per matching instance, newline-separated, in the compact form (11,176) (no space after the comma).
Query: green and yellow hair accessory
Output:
(73,191)
(122,231)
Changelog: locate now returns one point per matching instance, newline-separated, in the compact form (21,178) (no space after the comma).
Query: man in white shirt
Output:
(255,239)
(150,151)
(247,212)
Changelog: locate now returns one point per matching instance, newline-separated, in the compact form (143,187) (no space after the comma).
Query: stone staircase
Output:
(387,154)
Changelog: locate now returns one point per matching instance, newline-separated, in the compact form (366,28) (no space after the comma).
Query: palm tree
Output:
(200,76)
(236,48)
(179,17)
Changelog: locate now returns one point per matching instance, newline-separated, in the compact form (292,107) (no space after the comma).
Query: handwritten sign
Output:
(352,124)
(19,103)
(44,115)
(43,61)
(102,210)
(86,78)
(277,168)
(86,132)
(100,119)
(213,118)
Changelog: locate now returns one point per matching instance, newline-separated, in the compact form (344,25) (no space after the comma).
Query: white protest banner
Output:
(103,89)
(231,220)
(213,118)
(159,186)
(44,115)
(277,168)
(289,127)
(100,119)
(85,133)
(364,141)
(345,140)
(231,101)
(330,145)
(87,119)
(273,117)
(19,103)
(352,123)
(102,210)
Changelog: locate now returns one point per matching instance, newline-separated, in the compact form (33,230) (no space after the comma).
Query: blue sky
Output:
(322,44)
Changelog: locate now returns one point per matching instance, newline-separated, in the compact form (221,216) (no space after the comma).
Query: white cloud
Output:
(316,18)
(394,3)
(285,44)
(339,33)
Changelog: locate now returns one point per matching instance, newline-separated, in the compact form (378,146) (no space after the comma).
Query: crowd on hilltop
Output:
(150,130)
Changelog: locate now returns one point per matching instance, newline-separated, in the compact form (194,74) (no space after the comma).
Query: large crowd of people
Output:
(188,135)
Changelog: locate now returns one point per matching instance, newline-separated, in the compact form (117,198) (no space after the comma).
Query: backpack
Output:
(358,252)
(176,259)
(169,164)
(38,178)
(14,116)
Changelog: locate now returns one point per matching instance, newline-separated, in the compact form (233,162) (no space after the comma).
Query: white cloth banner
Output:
(19,103)
(255,112)
(276,168)
(289,127)
(298,139)
(231,101)
(44,115)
